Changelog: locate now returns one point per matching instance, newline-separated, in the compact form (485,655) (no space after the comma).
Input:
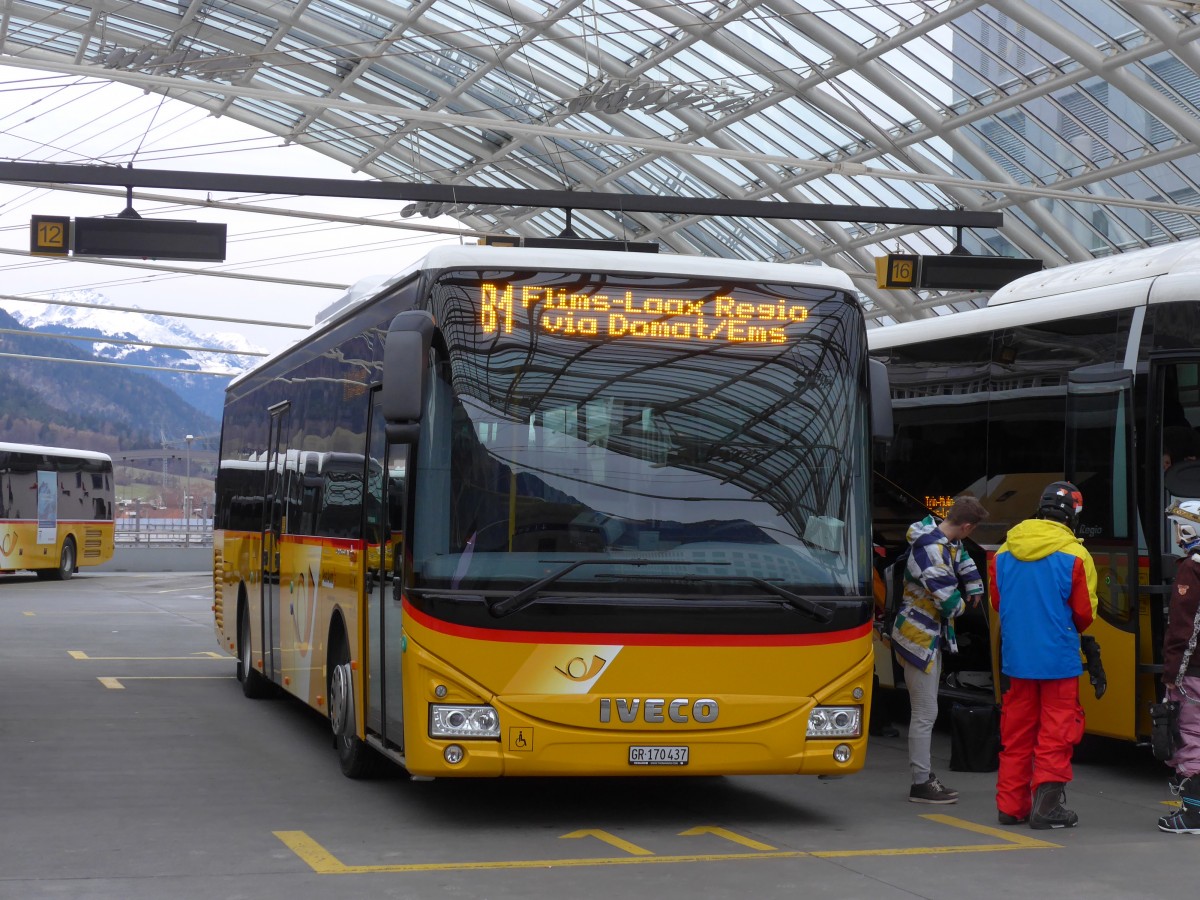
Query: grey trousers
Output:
(923,698)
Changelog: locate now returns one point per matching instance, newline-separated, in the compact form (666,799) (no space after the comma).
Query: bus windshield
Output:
(685,454)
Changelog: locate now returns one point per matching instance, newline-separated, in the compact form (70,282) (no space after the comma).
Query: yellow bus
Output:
(536,511)
(1085,372)
(56,510)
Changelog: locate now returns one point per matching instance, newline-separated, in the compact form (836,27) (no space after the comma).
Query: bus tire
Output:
(354,756)
(254,683)
(66,563)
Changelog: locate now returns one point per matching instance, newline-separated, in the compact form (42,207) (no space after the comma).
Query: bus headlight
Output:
(835,722)
(457,721)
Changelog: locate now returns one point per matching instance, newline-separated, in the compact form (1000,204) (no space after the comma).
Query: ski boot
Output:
(1048,810)
(1186,819)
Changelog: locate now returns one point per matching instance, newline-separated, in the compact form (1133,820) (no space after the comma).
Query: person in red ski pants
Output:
(1043,584)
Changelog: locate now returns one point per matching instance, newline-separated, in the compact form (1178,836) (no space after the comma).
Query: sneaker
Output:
(1006,819)
(885,730)
(932,791)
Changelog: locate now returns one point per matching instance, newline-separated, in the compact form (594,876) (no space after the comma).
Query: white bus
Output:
(1087,372)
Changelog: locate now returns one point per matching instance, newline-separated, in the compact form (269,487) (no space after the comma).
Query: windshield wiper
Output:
(797,601)
(522,598)
(821,613)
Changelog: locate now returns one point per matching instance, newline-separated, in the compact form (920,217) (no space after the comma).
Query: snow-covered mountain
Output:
(90,313)
(163,343)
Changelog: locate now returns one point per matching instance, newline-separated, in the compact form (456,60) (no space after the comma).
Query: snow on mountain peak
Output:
(91,312)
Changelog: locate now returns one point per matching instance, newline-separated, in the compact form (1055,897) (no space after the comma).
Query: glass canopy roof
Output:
(1077,119)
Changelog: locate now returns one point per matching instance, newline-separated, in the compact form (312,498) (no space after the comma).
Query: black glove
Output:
(1095,668)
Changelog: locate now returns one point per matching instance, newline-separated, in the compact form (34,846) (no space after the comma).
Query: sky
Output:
(67,119)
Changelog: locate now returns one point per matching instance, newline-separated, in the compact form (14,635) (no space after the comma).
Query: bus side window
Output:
(341,501)
(1180,441)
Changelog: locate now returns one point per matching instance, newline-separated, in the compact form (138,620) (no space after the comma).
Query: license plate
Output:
(658,756)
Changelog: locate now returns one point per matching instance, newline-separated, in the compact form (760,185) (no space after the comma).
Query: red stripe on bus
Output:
(635,639)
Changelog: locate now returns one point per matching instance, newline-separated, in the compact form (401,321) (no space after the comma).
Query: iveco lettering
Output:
(655,711)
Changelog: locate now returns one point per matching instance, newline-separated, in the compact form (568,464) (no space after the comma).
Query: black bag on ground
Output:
(974,738)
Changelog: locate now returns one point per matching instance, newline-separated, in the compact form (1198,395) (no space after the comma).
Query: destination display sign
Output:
(628,313)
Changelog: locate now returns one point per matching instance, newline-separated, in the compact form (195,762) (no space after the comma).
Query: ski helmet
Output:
(1062,502)
(1185,524)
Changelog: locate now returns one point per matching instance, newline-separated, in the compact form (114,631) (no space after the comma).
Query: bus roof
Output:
(1124,268)
(6,447)
(1153,275)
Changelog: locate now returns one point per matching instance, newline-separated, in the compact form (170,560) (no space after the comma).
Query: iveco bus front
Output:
(626,503)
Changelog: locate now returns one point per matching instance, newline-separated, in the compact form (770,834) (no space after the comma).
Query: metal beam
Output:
(56,173)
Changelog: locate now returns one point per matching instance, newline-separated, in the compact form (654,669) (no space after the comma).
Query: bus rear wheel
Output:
(66,563)
(354,756)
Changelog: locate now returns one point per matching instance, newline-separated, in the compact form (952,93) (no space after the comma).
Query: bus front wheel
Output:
(355,757)
(254,684)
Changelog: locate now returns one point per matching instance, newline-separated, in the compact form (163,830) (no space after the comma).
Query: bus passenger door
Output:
(1100,462)
(386,505)
(273,514)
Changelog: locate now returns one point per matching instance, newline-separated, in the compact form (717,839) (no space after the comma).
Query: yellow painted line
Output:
(203,654)
(115,683)
(318,858)
(322,862)
(1005,834)
(611,840)
(727,835)
(101,612)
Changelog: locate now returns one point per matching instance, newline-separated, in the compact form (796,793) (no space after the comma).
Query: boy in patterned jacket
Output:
(939,579)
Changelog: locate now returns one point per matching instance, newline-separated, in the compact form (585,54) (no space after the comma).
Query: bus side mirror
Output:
(881,402)
(405,362)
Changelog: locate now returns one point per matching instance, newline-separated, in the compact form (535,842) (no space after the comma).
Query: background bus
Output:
(548,512)
(56,509)
(1075,372)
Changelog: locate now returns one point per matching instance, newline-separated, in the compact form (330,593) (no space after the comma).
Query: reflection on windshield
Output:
(723,464)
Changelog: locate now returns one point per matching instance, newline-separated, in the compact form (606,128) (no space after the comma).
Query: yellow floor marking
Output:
(100,612)
(202,654)
(322,862)
(728,835)
(1005,834)
(612,840)
(318,858)
(115,683)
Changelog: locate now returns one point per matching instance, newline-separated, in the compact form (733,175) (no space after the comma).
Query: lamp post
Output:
(187,494)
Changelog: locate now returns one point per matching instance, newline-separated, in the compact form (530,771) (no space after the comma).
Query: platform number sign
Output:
(897,270)
(50,235)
